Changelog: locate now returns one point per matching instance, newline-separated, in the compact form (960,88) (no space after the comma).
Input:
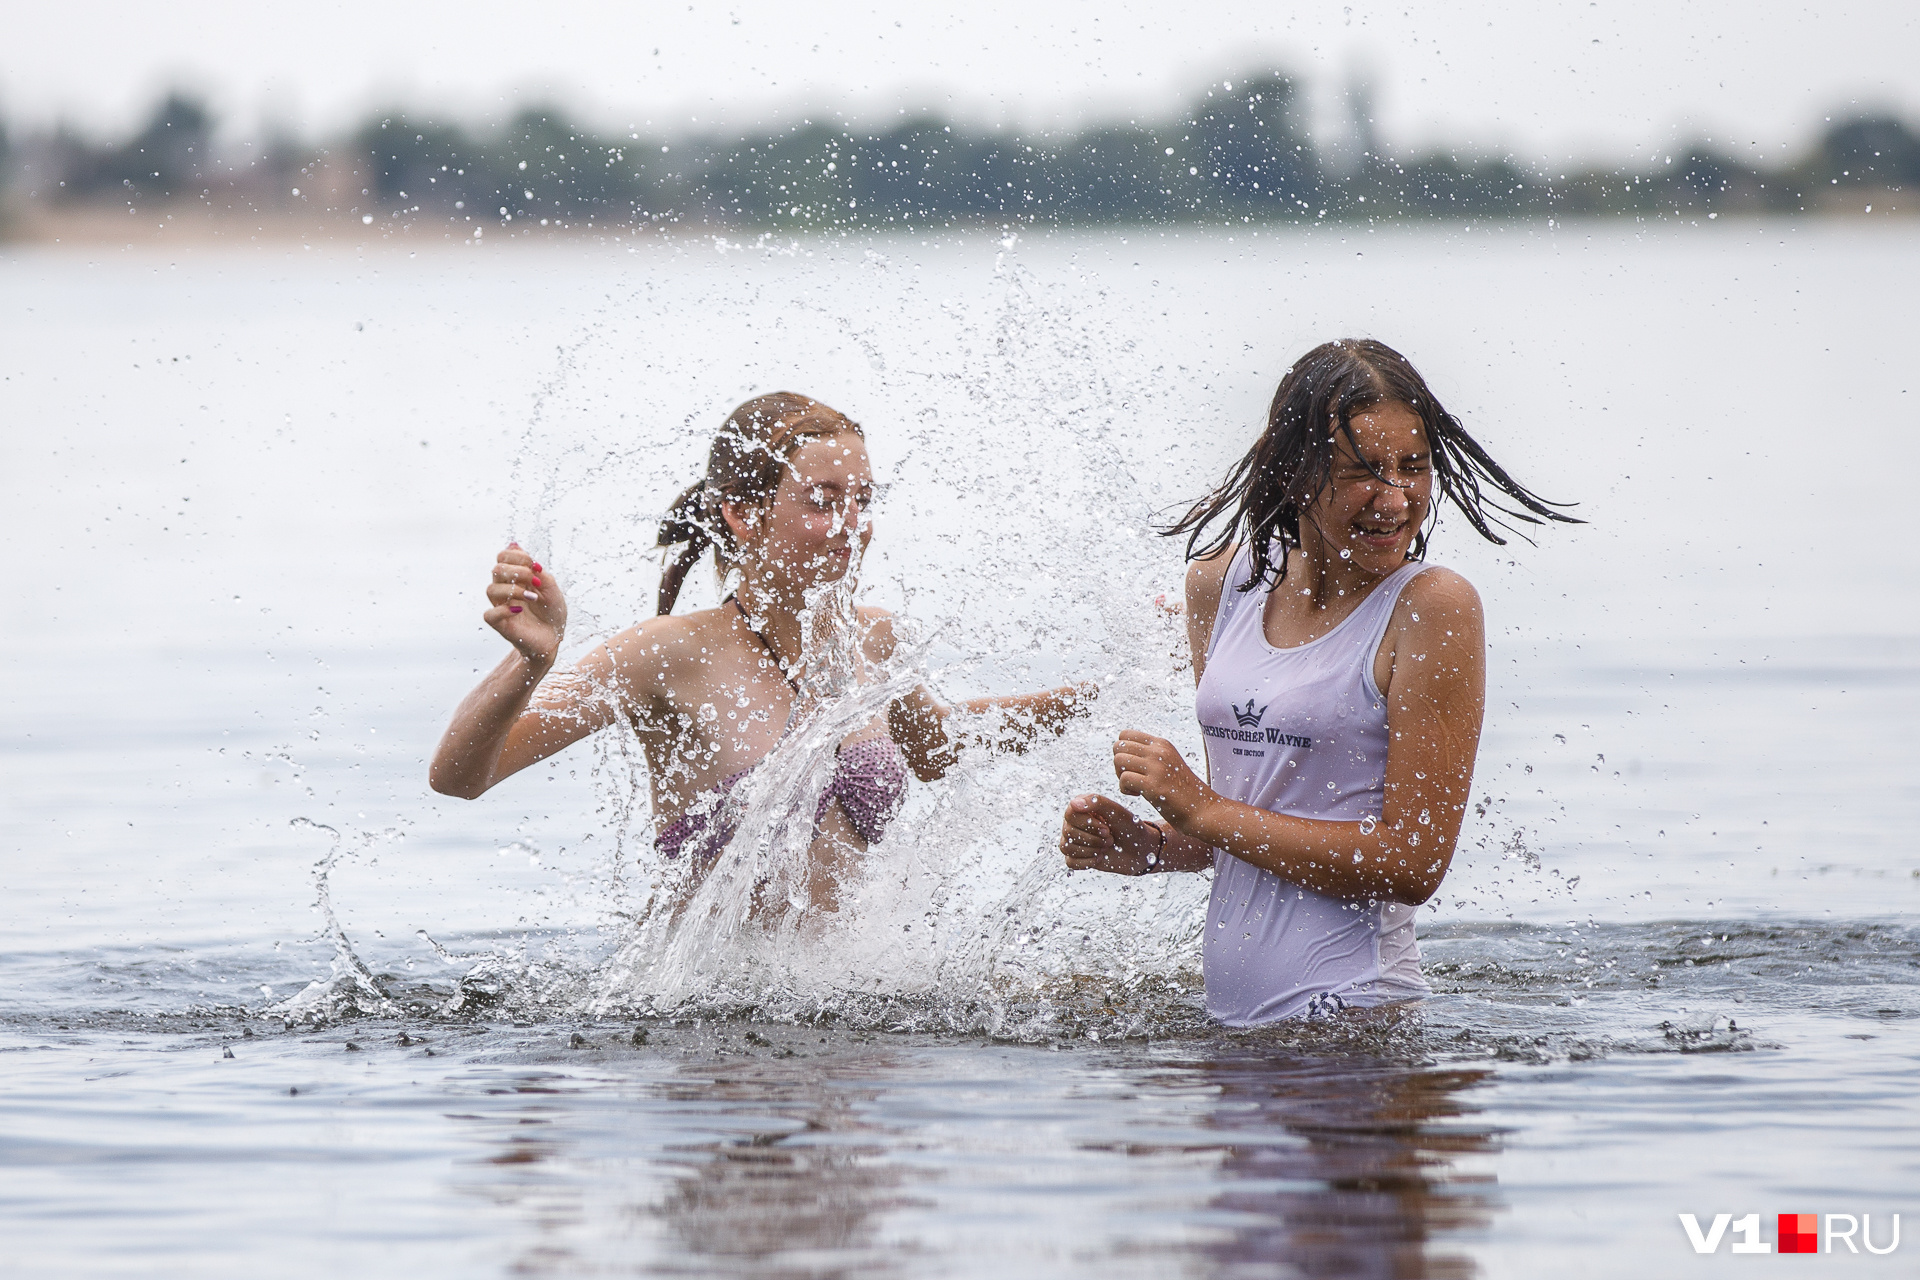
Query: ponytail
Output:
(686,522)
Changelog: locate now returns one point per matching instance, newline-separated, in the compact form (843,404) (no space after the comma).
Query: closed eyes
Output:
(825,498)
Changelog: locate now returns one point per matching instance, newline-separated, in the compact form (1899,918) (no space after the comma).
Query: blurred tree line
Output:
(1240,152)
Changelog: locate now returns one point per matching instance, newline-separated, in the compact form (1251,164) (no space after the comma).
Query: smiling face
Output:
(1373,517)
(808,532)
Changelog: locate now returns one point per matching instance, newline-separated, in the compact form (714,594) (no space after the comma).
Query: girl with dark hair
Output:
(784,507)
(1341,689)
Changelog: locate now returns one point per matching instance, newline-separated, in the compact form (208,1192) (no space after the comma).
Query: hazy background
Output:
(1558,79)
(257,449)
(465,119)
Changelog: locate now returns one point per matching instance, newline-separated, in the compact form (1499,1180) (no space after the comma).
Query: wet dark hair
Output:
(1291,464)
(744,466)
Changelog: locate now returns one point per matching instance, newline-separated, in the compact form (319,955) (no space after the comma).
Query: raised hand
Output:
(1154,769)
(1099,834)
(526,605)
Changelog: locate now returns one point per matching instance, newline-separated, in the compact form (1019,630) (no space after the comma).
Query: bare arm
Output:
(1435,703)
(517,716)
(1206,584)
(918,723)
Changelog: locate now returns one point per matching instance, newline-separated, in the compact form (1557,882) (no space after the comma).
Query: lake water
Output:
(253,493)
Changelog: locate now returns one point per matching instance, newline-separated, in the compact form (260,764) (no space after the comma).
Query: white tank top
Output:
(1302,732)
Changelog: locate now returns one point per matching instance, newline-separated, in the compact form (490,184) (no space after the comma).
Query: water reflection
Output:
(783,1154)
(1345,1167)
(789,1201)
(739,1162)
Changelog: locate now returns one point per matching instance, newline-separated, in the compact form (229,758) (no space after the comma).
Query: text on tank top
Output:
(1299,731)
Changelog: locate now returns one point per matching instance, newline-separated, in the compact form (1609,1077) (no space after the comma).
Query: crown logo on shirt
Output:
(1249,718)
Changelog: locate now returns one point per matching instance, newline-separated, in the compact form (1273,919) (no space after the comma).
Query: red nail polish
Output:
(513,608)
(536,582)
(536,568)
(515,545)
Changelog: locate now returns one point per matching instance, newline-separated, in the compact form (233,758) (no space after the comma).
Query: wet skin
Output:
(1431,665)
(706,697)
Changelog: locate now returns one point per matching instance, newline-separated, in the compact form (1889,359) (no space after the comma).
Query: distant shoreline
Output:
(92,227)
(1240,154)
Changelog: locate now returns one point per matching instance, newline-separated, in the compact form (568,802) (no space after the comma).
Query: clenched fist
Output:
(1099,834)
(1154,769)
(526,605)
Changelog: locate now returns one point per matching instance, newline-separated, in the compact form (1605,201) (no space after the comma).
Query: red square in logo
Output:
(1799,1233)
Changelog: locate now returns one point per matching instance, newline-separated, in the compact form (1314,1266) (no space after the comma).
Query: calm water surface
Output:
(252,493)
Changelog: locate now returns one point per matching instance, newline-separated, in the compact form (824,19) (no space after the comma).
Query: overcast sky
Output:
(1547,79)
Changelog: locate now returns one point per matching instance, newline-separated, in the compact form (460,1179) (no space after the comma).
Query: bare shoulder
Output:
(1439,592)
(652,655)
(1206,582)
(1207,579)
(1212,566)
(1437,616)
(1437,637)
(881,638)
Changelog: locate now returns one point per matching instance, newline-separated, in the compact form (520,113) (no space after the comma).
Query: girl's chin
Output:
(833,570)
(1376,561)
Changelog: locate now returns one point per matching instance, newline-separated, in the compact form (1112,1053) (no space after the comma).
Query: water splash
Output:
(963,916)
(1018,569)
(749,923)
(349,987)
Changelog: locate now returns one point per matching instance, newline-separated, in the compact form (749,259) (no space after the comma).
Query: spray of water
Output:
(349,986)
(1009,432)
(1015,572)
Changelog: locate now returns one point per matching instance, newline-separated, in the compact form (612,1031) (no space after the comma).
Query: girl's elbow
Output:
(1417,889)
(440,784)
(1416,895)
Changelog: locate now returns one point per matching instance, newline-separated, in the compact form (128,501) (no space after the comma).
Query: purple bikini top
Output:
(869,781)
